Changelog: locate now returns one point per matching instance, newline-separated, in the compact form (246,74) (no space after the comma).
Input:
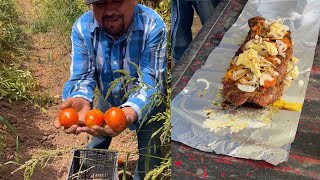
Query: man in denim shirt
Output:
(115,35)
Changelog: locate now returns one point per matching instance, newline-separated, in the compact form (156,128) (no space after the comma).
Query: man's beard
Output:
(116,29)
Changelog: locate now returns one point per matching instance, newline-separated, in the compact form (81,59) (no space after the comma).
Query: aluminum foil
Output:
(247,132)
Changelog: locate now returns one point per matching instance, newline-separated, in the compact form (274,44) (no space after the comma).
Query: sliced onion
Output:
(281,34)
(262,53)
(265,77)
(234,61)
(289,78)
(265,62)
(266,39)
(275,73)
(281,45)
(277,60)
(205,81)
(267,23)
(287,82)
(246,88)
(239,74)
(257,39)
(269,70)
(248,80)
(248,44)
(260,57)
(282,54)
(286,28)
(277,37)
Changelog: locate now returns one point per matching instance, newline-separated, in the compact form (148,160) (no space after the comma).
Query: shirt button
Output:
(115,63)
(116,96)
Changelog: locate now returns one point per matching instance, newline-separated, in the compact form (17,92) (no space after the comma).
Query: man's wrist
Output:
(131,115)
(130,119)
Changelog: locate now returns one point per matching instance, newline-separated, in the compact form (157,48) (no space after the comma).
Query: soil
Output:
(48,60)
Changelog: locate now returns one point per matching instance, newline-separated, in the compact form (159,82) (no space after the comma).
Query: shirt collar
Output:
(137,19)
(94,25)
(136,23)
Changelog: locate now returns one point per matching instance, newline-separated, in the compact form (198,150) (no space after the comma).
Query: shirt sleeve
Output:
(82,81)
(153,65)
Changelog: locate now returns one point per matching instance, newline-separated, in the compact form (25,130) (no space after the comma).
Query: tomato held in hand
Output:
(115,119)
(94,117)
(68,117)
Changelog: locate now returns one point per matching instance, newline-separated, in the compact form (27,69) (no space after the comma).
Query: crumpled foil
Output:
(247,132)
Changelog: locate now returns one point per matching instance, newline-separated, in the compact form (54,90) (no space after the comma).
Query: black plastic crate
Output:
(93,164)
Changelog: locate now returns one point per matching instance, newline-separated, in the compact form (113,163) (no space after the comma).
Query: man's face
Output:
(114,16)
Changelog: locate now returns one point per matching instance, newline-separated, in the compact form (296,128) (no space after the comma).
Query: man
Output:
(181,22)
(115,35)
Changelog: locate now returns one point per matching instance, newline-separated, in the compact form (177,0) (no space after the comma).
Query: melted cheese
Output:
(294,59)
(252,45)
(250,60)
(276,29)
(271,48)
(292,106)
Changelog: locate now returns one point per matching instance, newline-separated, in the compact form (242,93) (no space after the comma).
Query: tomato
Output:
(229,74)
(268,84)
(94,117)
(68,117)
(287,41)
(120,161)
(115,119)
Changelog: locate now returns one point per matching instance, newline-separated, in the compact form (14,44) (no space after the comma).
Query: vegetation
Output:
(12,38)
(17,83)
(42,158)
(156,100)
(13,131)
(52,13)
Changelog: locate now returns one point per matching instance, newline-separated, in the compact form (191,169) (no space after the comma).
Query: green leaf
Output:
(8,125)
(124,72)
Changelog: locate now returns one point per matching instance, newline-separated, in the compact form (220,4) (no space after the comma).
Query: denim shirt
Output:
(96,56)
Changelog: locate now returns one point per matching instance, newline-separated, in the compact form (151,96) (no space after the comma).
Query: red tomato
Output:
(268,84)
(68,117)
(93,117)
(116,119)
(120,161)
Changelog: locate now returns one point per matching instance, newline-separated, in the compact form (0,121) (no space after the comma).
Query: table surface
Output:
(304,159)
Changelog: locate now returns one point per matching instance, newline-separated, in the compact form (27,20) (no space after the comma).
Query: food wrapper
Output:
(198,118)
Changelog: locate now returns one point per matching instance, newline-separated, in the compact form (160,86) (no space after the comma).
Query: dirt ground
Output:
(49,61)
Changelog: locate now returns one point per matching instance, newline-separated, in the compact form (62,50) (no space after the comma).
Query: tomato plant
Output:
(94,117)
(115,119)
(68,117)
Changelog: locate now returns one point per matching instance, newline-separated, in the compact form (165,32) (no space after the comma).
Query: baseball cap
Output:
(92,1)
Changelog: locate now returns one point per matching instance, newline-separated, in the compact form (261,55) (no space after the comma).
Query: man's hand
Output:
(100,131)
(131,117)
(82,106)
